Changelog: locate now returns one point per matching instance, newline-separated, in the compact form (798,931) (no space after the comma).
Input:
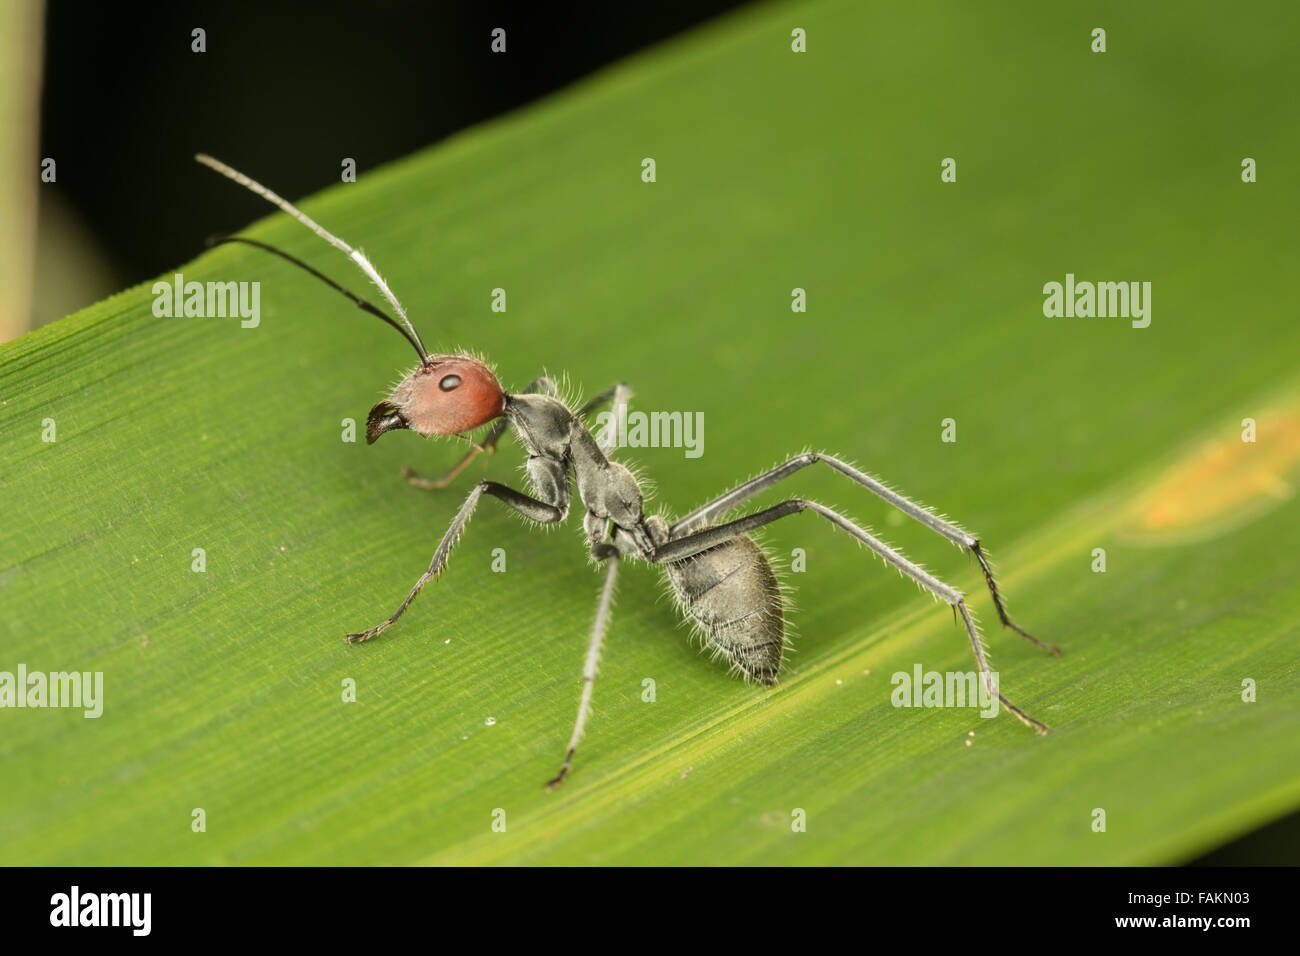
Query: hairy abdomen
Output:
(733,596)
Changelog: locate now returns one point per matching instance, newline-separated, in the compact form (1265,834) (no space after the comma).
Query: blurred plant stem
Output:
(20,94)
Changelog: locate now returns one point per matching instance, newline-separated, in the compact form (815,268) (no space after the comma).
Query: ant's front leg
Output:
(527,506)
(489,445)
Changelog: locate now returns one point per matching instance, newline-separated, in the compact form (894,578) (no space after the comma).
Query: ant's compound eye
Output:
(449,382)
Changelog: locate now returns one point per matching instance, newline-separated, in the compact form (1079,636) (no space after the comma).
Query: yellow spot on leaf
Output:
(1224,485)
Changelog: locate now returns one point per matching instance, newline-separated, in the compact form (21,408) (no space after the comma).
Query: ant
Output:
(722,578)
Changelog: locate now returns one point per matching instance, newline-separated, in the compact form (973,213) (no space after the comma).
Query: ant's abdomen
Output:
(732,594)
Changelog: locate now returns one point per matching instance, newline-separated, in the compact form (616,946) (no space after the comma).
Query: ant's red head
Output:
(447,395)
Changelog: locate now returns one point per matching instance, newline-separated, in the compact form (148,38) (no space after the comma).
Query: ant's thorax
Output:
(557,441)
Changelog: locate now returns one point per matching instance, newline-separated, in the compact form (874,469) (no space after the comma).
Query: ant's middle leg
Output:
(707,513)
(589,666)
(542,384)
(527,506)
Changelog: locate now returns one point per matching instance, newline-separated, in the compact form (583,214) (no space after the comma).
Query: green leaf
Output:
(775,171)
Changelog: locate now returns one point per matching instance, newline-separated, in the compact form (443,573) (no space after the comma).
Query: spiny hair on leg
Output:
(885,484)
(979,635)
(883,560)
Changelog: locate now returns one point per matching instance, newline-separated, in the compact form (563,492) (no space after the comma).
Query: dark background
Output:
(285,92)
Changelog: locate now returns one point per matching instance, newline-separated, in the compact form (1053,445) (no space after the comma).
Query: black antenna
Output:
(356,255)
(359,302)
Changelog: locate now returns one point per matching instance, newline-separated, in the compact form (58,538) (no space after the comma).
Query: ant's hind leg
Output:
(676,549)
(707,513)
(589,667)
(1002,611)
